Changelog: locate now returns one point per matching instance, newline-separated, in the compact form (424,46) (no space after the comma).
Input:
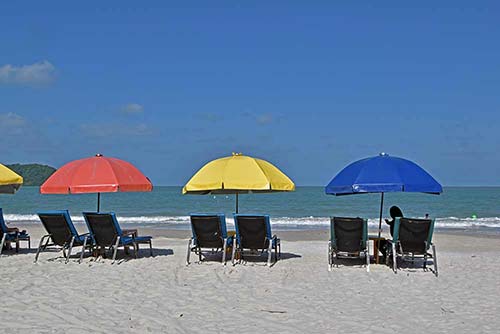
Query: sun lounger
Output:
(11,234)
(412,238)
(62,233)
(209,232)
(348,239)
(253,232)
(107,233)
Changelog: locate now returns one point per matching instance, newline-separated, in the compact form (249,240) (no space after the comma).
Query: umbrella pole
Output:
(380,223)
(236,202)
(98,201)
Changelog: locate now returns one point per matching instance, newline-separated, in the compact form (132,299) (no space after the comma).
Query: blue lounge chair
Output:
(348,239)
(11,234)
(107,233)
(62,233)
(412,238)
(209,232)
(254,232)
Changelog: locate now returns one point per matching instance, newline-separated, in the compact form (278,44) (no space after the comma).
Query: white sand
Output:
(298,295)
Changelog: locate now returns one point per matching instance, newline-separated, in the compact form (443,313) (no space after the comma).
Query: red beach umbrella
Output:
(96,174)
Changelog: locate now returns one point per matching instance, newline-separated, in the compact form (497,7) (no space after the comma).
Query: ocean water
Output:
(306,208)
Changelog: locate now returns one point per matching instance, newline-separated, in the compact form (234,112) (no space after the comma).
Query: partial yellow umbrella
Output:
(10,182)
(238,174)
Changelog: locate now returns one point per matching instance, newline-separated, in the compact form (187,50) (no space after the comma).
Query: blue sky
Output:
(309,86)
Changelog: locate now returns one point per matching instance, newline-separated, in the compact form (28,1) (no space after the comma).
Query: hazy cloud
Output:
(264,119)
(38,73)
(132,108)
(210,116)
(12,124)
(11,119)
(106,130)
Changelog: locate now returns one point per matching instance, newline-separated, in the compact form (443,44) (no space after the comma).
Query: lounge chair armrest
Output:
(275,237)
(12,229)
(130,232)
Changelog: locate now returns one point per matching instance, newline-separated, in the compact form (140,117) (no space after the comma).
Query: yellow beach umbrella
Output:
(10,182)
(238,174)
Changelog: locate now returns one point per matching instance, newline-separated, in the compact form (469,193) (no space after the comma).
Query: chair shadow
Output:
(262,258)
(352,262)
(121,255)
(11,252)
(208,257)
(416,266)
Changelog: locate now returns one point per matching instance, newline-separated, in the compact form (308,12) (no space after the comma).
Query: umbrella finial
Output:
(236,154)
(383,154)
(98,155)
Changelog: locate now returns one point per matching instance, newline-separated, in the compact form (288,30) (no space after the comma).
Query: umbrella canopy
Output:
(382,174)
(10,181)
(238,174)
(96,174)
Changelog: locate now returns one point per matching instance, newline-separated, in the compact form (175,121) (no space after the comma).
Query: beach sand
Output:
(297,295)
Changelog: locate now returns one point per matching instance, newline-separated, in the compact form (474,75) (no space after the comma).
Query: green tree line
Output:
(33,174)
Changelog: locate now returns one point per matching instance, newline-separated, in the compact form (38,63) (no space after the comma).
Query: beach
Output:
(296,295)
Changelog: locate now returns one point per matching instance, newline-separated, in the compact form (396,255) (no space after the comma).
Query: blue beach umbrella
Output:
(382,174)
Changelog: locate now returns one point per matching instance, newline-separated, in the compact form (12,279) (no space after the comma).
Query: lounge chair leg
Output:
(276,252)
(70,248)
(40,246)
(330,256)
(17,245)
(367,255)
(151,248)
(234,251)
(434,260)
(224,240)
(188,252)
(29,242)
(394,258)
(2,242)
(199,254)
(115,249)
(83,249)
(269,252)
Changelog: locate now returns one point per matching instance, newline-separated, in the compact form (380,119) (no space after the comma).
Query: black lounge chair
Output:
(412,238)
(254,232)
(348,239)
(209,232)
(107,233)
(11,234)
(62,233)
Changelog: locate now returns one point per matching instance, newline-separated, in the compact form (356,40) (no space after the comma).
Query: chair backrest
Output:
(414,235)
(3,226)
(209,230)
(103,226)
(253,231)
(348,234)
(59,225)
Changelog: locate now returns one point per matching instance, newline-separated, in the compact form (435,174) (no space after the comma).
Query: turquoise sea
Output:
(308,207)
